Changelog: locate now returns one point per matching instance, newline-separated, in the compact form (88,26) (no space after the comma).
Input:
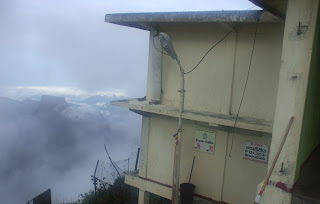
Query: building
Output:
(238,101)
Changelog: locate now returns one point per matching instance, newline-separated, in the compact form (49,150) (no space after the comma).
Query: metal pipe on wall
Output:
(154,70)
(177,157)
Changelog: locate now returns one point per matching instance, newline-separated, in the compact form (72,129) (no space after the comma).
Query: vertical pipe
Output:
(233,72)
(154,70)
(177,158)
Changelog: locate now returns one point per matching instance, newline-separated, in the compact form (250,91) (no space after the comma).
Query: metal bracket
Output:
(301,28)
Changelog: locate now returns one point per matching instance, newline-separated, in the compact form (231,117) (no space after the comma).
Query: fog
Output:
(60,65)
(50,143)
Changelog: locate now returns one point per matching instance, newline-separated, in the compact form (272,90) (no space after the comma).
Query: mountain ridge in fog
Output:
(44,142)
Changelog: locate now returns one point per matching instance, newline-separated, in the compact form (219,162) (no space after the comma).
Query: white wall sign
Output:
(256,152)
(205,141)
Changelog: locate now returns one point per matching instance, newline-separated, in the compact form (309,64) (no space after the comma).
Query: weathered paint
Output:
(292,89)
(285,187)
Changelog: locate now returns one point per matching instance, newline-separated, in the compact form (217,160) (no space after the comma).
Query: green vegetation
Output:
(117,193)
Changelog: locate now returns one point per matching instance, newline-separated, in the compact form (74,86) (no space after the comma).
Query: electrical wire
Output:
(224,37)
(245,85)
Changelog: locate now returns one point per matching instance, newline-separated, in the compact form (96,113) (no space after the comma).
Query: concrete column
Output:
(292,88)
(143,197)
(154,69)
(144,146)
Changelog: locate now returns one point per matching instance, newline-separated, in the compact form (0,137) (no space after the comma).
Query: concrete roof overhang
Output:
(276,7)
(149,21)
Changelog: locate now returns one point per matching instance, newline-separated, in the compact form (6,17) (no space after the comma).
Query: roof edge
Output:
(146,20)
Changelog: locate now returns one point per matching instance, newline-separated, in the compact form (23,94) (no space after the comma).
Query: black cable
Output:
(191,168)
(207,53)
(245,85)
(224,37)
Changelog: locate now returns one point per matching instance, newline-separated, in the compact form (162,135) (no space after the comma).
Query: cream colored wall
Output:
(260,97)
(217,84)
(161,149)
(208,169)
(190,44)
(215,176)
(242,176)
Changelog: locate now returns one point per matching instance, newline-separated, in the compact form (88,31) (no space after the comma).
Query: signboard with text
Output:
(205,141)
(256,152)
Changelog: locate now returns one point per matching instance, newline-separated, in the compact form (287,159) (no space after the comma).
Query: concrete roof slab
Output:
(147,21)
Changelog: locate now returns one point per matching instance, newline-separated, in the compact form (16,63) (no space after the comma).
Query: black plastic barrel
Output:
(186,193)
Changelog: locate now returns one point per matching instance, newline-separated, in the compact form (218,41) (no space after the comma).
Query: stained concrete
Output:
(149,21)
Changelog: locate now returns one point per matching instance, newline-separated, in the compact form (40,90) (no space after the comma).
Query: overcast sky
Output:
(67,43)
(62,47)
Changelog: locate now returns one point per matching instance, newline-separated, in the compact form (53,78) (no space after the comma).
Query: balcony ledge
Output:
(142,106)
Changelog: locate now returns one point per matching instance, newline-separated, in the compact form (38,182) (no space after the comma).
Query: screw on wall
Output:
(294,77)
(301,28)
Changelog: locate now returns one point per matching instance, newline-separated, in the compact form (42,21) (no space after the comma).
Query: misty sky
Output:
(64,48)
(67,43)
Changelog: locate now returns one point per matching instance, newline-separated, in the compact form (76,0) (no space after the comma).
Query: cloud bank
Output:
(55,144)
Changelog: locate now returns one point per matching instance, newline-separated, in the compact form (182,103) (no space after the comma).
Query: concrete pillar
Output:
(143,197)
(144,146)
(154,69)
(292,88)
